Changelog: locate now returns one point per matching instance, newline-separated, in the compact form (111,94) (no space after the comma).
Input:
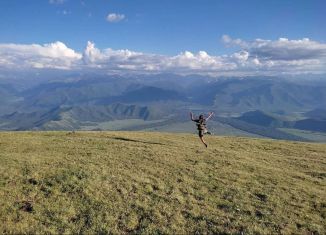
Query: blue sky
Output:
(165,27)
(162,27)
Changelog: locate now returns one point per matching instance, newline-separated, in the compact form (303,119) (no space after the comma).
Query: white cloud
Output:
(200,62)
(241,57)
(114,17)
(229,41)
(282,55)
(126,60)
(281,49)
(53,55)
(56,1)
(119,60)
(91,54)
(260,56)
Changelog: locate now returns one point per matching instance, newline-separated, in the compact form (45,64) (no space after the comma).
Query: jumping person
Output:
(201,125)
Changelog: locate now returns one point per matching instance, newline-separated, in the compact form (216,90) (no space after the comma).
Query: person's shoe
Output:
(206,145)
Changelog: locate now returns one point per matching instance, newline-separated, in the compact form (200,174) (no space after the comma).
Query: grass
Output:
(138,182)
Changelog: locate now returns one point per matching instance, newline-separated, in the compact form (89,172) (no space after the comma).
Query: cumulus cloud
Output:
(265,57)
(281,49)
(126,60)
(281,55)
(200,62)
(120,60)
(284,49)
(114,17)
(230,42)
(53,55)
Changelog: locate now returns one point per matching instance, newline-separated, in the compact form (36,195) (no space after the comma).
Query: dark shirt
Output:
(201,124)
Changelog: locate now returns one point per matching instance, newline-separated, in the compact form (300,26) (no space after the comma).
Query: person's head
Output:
(201,116)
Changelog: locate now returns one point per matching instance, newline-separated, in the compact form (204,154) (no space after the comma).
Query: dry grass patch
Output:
(138,182)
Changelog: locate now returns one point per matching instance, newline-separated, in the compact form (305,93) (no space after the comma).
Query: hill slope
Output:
(120,182)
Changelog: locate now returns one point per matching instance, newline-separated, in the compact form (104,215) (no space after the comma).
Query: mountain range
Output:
(255,106)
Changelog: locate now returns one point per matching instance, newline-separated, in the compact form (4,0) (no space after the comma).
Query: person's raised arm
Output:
(210,114)
(192,116)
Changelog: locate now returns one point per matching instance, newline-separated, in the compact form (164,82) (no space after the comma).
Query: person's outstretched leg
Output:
(207,132)
(202,140)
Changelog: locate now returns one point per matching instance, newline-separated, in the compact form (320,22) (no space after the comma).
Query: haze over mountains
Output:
(255,106)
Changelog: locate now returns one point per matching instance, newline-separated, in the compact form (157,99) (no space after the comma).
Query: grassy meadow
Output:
(147,182)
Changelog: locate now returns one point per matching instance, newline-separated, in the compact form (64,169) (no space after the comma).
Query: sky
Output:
(215,37)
